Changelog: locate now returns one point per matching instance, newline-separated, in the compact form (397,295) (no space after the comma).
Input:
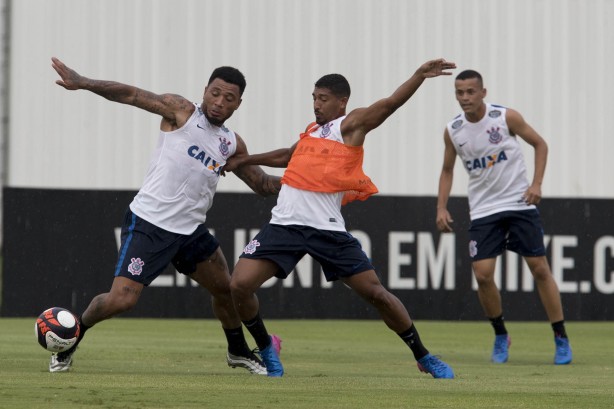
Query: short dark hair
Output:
(336,83)
(468,74)
(230,75)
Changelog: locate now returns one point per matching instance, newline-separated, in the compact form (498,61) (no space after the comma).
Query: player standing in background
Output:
(324,170)
(502,204)
(165,222)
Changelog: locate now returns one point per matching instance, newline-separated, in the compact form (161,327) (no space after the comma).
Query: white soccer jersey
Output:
(183,174)
(315,209)
(493,158)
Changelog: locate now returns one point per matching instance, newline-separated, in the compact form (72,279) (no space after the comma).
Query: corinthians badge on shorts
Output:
(136,267)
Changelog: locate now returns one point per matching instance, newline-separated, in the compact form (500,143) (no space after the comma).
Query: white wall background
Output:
(549,59)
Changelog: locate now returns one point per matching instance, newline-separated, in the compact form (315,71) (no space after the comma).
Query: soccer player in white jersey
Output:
(324,170)
(502,204)
(164,224)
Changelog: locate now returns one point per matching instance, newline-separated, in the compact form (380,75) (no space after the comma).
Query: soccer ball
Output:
(57,329)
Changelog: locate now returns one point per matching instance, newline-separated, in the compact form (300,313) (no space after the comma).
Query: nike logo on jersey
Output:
(223,128)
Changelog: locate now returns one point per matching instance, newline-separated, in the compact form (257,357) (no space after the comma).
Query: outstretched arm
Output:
(253,176)
(362,120)
(278,158)
(444,219)
(518,126)
(173,108)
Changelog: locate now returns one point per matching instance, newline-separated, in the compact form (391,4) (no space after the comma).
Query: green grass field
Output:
(148,363)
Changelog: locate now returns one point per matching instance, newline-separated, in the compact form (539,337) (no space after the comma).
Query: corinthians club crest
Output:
(136,266)
(494,136)
(325,130)
(224,147)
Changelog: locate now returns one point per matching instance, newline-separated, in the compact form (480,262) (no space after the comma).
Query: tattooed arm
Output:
(253,176)
(174,109)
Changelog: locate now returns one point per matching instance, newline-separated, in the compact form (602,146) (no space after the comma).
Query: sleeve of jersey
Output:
(322,165)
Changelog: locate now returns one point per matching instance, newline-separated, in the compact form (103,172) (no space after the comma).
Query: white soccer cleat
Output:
(61,362)
(250,362)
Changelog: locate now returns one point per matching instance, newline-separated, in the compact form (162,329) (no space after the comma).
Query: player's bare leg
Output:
(247,277)
(213,275)
(395,316)
(122,297)
(390,308)
(551,299)
(490,300)
(546,287)
(488,293)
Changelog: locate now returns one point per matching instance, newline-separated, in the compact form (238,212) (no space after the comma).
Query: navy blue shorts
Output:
(146,250)
(338,252)
(517,231)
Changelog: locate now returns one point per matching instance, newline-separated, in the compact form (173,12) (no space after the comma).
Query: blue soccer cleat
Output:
(435,366)
(270,357)
(562,354)
(500,350)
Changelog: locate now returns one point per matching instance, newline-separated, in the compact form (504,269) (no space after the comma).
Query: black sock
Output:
(412,339)
(559,329)
(82,329)
(498,323)
(236,341)
(256,327)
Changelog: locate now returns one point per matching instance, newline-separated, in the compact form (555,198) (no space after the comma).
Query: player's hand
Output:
(70,79)
(435,68)
(234,162)
(444,220)
(533,195)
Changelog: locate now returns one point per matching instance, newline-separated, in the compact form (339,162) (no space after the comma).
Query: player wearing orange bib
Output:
(324,171)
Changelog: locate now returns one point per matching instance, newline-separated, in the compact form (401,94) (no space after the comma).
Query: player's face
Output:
(470,95)
(220,101)
(327,106)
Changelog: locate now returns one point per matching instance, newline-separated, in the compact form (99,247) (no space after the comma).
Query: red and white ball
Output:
(57,329)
